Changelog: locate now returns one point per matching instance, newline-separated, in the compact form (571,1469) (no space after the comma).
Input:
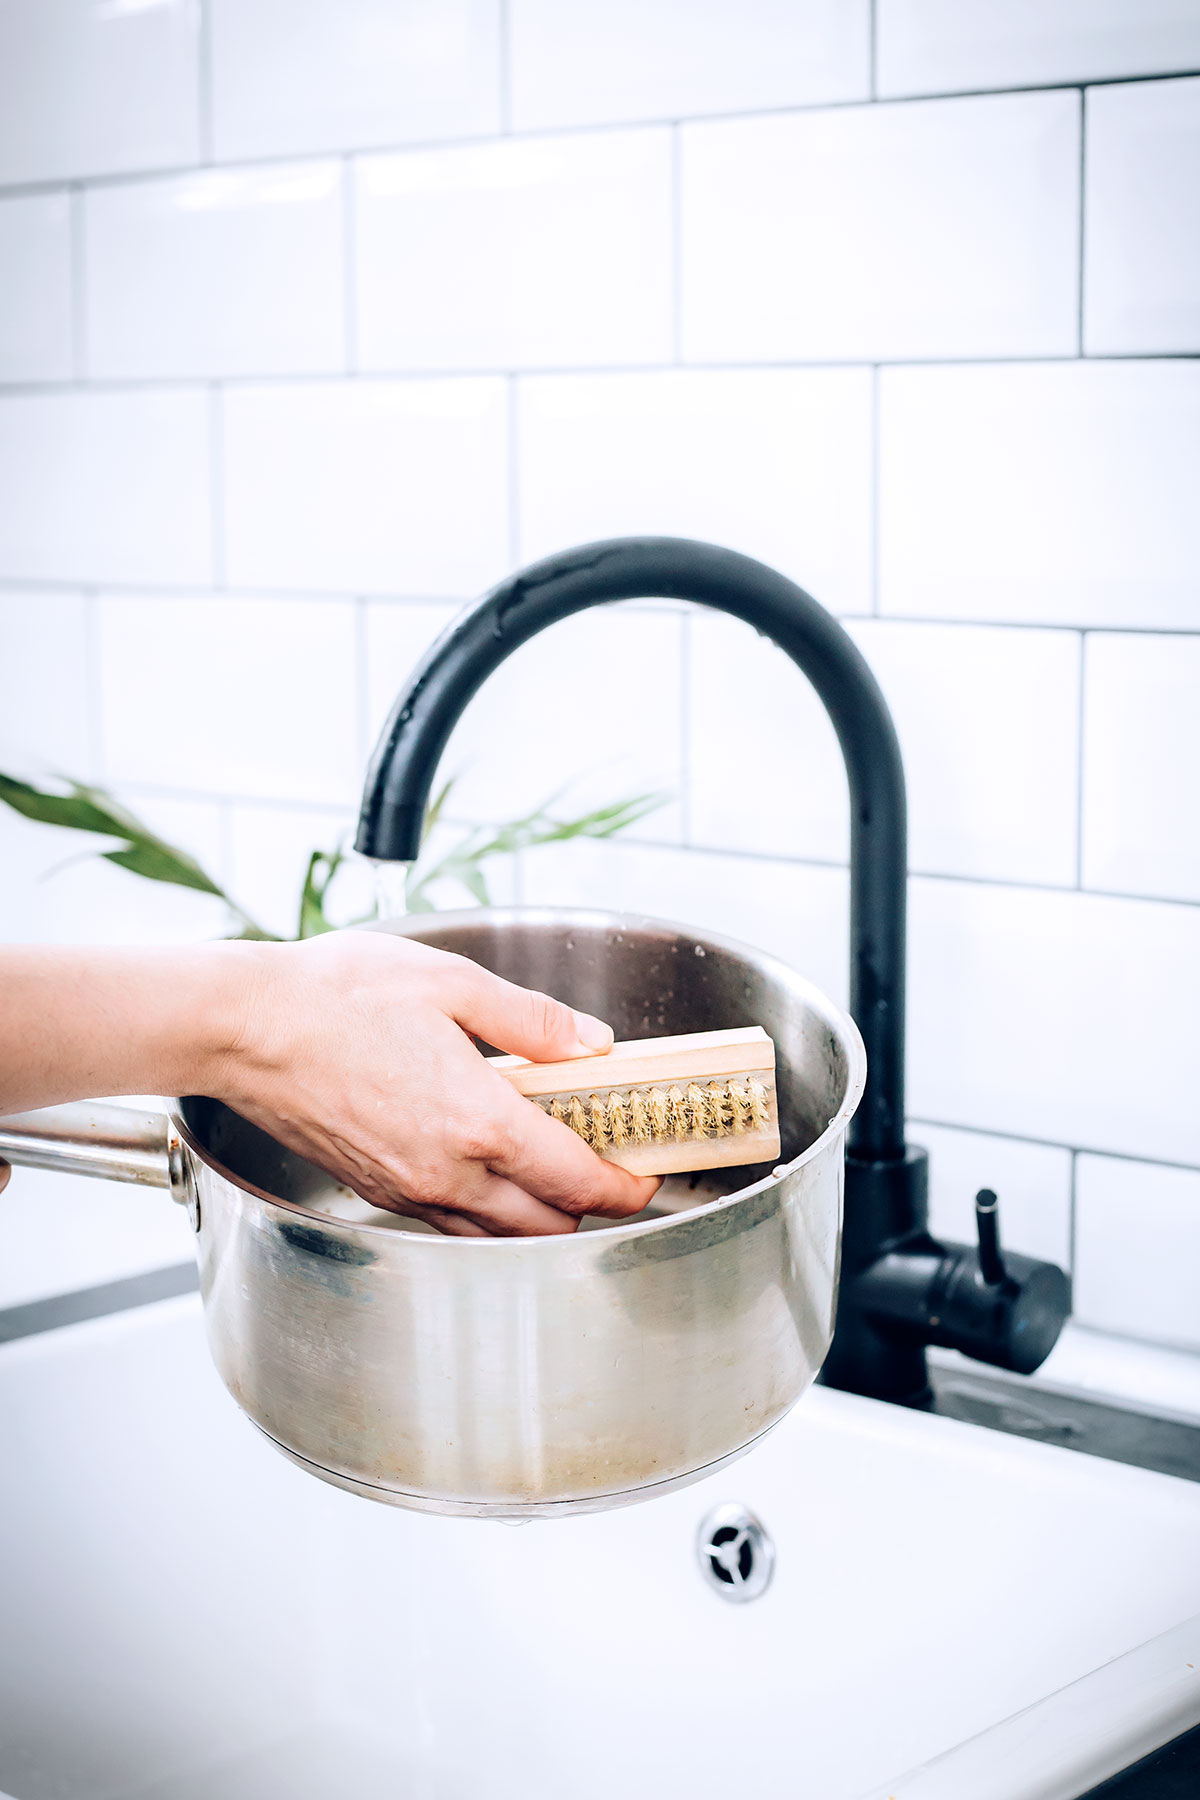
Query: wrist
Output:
(225,986)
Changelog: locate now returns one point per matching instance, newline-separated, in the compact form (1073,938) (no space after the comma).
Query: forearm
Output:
(77,1023)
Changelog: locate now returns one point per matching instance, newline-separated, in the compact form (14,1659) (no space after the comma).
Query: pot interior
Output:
(647,979)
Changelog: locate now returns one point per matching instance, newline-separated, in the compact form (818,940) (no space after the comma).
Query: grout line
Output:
(514,482)
(598,371)
(392,147)
(349,266)
(504,52)
(1073,1217)
(1080,759)
(1020,1137)
(873,483)
(78,241)
(168,588)
(676,244)
(204,82)
(216,477)
(1082,215)
(873,48)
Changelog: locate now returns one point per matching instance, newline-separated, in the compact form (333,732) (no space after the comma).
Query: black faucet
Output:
(901,1290)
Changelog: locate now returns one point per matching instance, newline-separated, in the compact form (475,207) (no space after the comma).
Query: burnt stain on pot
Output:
(329,1259)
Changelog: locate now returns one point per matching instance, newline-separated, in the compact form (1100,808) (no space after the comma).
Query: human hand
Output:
(5,1172)
(355,1050)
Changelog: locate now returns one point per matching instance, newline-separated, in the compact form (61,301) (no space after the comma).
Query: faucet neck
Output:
(402,769)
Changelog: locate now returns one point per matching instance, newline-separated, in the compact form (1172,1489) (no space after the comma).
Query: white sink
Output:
(188,1617)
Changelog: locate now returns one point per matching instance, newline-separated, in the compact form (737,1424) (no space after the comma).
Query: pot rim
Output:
(834,1015)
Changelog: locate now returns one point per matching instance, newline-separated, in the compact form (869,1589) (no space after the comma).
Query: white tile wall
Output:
(600,61)
(989,727)
(1142,273)
(1138,1245)
(592,707)
(396,638)
(303,75)
(1141,759)
(940,229)
(264,690)
(97,86)
(1065,1017)
(929,46)
(775,463)
(570,238)
(35,291)
(269,852)
(333,349)
(1059,493)
(1031,1181)
(229,272)
(764,769)
(105,486)
(382,487)
(44,721)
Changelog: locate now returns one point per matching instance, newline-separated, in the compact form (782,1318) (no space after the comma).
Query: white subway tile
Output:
(105,487)
(527,253)
(35,294)
(776,463)
(226,272)
(57,888)
(1138,1249)
(58,1233)
(798,914)
(989,727)
(764,769)
(1053,493)
(301,75)
(89,89)
(1142,765)
(930,46)
(600,61)
(1141,280)
(944,229)
(232,695)
(398,633)
(270,849)
(1035,1012)
(371,486)
(590,710)
(1031,1181)
(44,717)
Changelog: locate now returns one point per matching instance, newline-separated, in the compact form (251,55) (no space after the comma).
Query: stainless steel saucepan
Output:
(517,1378)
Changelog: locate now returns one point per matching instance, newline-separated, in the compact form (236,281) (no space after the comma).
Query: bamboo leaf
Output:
(159,862)
(74,811)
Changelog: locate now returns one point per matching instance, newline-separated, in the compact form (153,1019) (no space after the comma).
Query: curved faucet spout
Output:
(403,766)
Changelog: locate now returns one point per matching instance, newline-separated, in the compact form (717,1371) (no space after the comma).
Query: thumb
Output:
(5,1172)
(526,1023)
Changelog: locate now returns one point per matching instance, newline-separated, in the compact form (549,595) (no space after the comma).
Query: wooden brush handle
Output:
(659,1106)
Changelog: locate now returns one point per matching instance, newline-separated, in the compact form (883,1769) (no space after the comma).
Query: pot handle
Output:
(116,1143)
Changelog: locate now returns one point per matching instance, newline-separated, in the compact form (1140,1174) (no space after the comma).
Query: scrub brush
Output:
(658,1106)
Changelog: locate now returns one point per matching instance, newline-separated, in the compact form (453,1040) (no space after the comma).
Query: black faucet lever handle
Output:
(987,1226)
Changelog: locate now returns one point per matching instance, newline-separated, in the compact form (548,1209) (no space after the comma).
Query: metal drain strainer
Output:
(737,1558)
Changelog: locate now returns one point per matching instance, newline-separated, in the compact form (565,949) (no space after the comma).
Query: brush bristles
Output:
(640,1116)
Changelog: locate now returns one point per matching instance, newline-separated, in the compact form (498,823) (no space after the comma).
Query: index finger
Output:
(548,1160)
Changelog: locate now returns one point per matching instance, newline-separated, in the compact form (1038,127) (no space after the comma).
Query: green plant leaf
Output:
(159,862)
(76,811)
(323,865)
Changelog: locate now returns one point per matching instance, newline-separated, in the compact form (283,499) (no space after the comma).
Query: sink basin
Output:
(188,1617)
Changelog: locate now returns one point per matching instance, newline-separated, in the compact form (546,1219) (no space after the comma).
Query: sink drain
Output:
(736,1556)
